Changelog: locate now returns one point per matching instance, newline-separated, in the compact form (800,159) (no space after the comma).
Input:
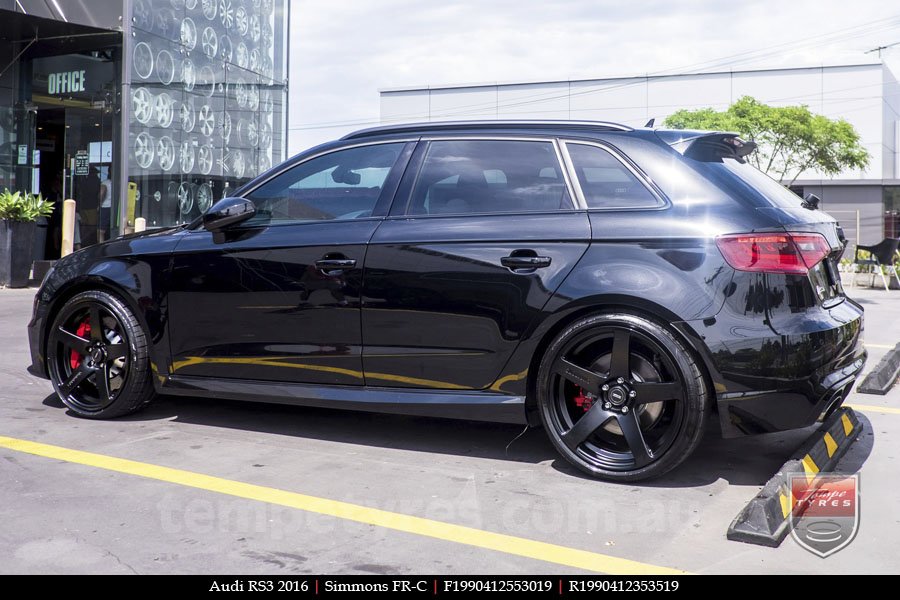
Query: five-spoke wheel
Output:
(621,397)
(97,357)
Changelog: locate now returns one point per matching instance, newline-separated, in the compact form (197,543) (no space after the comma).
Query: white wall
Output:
(868,96)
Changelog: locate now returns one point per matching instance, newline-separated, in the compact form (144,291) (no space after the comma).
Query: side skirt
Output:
(471,406)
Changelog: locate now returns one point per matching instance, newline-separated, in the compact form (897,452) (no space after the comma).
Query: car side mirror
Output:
(228,212)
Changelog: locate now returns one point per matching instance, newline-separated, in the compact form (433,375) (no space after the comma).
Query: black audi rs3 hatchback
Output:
(617,286)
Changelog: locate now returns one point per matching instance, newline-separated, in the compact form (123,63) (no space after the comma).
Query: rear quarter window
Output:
(606,181)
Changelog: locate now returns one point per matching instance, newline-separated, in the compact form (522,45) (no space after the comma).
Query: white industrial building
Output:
(866,95)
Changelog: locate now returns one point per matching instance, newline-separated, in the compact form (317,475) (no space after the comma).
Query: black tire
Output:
(638,428)
(81,356)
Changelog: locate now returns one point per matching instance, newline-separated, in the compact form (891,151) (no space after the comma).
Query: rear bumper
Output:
(767,379)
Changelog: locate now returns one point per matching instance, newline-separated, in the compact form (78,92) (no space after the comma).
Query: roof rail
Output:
(487,124)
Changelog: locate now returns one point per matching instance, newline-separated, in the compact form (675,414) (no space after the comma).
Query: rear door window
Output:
(461,177)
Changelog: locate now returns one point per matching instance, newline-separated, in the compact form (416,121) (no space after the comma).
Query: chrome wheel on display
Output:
(265,136)
(188,75)
(265,163)
(252,97)
(164,109)
(226,49)
(239,93)
(165,151)
(204,197)
(188,116)
(165,67)
(226,13)
(185,198)
(141,14)
(226,127)
(209,9)
(142,105)
(205,159)
(188,33)
(209,42)
(207,120)
(255,29)
(142,60)
(242,55)
(187,155)
(238,164)
(206,81)
(143,150)
(248,132)
(241,21)
(268,103)
(254,60)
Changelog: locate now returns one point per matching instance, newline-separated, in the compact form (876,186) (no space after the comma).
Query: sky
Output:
(344,51)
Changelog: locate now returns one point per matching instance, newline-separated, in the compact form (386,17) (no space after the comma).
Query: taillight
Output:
(792,253)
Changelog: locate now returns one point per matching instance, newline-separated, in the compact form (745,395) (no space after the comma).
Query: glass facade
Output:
(892,211)
(141,108)
(207,101)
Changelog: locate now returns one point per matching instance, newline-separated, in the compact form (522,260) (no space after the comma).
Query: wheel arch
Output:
(584,307)
(91,282)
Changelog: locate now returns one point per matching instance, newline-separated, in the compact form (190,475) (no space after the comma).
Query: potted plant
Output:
(18,213)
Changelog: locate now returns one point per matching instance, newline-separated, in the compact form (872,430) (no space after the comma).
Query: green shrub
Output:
(23,207)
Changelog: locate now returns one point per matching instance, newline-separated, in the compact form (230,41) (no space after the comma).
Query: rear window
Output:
(606,182)
(746,173)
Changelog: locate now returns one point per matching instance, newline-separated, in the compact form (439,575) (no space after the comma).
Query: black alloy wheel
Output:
(97,357)
(621,397)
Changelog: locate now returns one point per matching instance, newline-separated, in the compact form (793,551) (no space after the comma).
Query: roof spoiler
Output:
(707,146)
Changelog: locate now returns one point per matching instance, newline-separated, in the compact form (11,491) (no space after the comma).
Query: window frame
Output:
(662,201)
(403,203)
(385,198)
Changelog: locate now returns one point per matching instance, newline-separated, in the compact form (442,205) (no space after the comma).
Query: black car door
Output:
(481,234)
(278,298)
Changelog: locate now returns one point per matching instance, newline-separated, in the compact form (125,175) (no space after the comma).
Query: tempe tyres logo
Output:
(825,511)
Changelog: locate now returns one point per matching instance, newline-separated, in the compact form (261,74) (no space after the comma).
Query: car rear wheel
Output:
(97,357)
(621,397)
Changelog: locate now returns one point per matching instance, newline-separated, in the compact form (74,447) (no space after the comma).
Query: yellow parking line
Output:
(883,346)
(509,544)
(870,408)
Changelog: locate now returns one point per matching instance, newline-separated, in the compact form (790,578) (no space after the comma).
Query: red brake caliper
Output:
(84,330)
(582,401)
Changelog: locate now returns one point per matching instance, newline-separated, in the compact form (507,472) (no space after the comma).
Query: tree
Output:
(791,139)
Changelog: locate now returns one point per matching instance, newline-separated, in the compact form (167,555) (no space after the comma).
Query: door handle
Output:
(335,264)
(525,262)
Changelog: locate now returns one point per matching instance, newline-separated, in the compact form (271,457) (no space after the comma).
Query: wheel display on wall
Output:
(165,152)
(141,14)
(253,63)
(226,49)
(190,4)
(242,55)
(188,75)
(226,13)
(165,67)
(265,136)
(206,120)
(247,132)
(226,127)
(239,92)
(186,156)
(142,105)
(241,21)
(188,33)
(237,164)
(143,150)
(206,81)
(205,159)
(268,103)
(209,42)
(185,198)
(208,8)
(255,29)
(252,97)
(265,163)
(142,60)
(204,197)
(188,116)
(164,109)
(172,192)
(157,196)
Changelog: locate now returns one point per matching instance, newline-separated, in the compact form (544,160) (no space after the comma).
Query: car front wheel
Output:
(97,357)
(621,397)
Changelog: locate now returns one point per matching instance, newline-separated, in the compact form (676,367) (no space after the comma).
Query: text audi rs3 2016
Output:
(615,285)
